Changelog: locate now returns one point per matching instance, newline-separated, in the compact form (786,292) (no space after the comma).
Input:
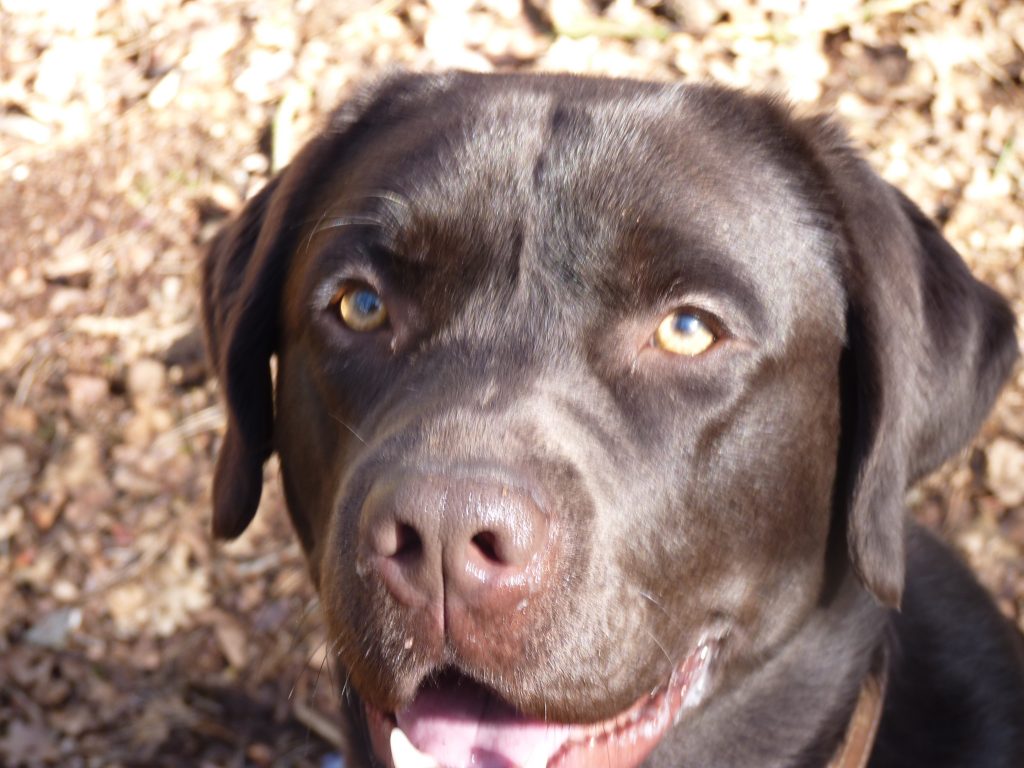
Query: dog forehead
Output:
(601,183)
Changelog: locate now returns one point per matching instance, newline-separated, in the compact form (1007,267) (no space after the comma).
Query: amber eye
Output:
(361,308)
(684,333)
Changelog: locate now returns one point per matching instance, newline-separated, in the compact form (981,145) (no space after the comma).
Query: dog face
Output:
(589,393)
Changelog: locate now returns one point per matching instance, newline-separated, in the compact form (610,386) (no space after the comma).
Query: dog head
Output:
(579,384)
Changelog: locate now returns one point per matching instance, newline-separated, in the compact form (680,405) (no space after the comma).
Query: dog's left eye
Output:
(361,308)
(684,333)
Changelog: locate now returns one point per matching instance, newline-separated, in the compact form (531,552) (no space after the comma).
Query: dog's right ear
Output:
(244,273)
(239,317)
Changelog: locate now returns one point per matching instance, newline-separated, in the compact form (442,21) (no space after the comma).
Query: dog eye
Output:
(684,333)
(361,308)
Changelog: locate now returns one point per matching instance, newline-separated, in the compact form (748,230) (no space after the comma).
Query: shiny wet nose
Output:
(436,540)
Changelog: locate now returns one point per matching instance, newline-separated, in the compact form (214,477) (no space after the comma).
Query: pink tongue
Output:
(464,725)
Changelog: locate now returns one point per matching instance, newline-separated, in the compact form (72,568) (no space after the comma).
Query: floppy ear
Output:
(243,276)
(239,317)
(244,273)
(928,348)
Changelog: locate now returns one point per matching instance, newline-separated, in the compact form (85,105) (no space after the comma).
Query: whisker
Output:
(305,667)
(305,627)
(301,628)
(314,230)
(657,604)
(331,670)
(355,220)
(389,218)
(652,600)
(320,671)
(661,647)
(347,426)
(390,197)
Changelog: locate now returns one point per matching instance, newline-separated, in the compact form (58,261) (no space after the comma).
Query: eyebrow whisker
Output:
(347,221)
(390,197)
(390,215)
(314,230)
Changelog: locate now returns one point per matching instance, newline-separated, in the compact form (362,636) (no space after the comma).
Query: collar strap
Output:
(855,748)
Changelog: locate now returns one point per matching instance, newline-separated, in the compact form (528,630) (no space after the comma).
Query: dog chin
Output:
(455,722)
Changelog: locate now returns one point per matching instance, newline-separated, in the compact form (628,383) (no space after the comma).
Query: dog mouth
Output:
(454,722)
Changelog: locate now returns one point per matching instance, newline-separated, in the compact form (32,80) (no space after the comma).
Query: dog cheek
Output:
(311,452)
(785,529)
(751,509)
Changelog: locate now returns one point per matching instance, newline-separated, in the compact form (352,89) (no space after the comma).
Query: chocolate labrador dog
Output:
(596,403)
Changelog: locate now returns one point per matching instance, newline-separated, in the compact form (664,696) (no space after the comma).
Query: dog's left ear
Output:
(928,348)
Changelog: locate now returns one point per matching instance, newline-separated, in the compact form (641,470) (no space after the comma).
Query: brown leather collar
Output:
(855,748)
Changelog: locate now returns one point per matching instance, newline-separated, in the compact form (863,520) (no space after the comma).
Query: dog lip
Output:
(507,739)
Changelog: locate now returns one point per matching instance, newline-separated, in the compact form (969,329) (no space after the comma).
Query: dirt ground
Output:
(129,130)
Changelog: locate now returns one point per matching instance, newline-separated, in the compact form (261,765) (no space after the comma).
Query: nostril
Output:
(408,543)
(486,543)
(396,540)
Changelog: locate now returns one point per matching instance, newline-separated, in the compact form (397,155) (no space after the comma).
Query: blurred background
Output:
(130,129)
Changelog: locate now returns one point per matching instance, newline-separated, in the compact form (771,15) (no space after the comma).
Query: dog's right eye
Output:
(360,307)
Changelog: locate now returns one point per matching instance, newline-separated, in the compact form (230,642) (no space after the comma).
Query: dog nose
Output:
(463,544)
